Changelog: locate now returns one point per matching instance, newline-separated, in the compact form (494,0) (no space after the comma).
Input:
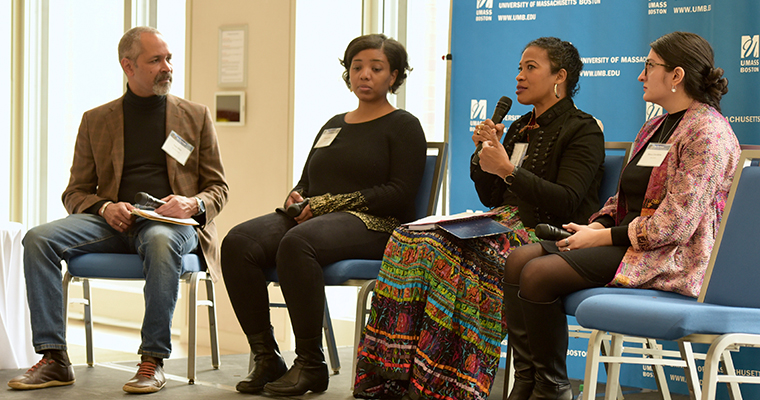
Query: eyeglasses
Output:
(648,64)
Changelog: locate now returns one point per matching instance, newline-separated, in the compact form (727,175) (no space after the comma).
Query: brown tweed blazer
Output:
(99,161)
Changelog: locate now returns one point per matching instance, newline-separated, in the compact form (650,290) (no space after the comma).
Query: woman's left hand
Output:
(585,236)
(493,156)
(305,214)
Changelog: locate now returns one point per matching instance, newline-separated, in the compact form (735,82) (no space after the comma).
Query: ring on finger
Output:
(120,224)
(567,243)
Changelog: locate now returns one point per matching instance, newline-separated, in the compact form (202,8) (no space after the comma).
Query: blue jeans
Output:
(159,244)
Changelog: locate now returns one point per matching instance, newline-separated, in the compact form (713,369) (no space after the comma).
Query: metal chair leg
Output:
(659,372)
(86,301)
(332,349)
(212,328)
(192,342)
(88,321)
(362,313)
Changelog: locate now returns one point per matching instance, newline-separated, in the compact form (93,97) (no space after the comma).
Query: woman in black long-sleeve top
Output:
(436,325)
(560,175)
(360,179)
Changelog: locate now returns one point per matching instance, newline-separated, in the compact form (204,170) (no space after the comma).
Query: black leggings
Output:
(298,251)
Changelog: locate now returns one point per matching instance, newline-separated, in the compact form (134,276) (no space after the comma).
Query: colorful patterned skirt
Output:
(436,324)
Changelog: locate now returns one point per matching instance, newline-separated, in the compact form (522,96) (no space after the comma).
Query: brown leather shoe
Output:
(46,373)
(148,379)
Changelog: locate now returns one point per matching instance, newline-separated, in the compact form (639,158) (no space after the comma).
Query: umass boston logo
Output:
(750,54)
(478,109)
(484,10)
(653,110)
(477,112)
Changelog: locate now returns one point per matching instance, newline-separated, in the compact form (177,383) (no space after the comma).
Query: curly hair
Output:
(393,50)
(702,81)
(562,55)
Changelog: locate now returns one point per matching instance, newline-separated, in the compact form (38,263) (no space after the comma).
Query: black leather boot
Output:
(308,373)
(268,363)
(546,326)
(518,342)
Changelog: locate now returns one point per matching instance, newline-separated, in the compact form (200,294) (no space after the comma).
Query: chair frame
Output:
(626,146)
(720,344)
(192,279)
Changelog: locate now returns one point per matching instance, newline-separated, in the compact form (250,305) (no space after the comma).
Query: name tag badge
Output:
(518,154)
(654,155)
(328,135)
(178,148)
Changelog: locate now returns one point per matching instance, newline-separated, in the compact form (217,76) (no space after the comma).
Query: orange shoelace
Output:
(39,364)
(147,369)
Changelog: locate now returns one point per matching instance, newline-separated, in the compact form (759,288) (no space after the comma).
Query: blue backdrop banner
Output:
(612,36)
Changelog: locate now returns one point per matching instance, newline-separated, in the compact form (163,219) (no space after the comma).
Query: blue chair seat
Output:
(340,272)
(572,300)
(121,266)
(665,318)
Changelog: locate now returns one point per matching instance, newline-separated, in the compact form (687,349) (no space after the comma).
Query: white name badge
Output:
(177,147)
(654,155)
(327,137)
(518,154)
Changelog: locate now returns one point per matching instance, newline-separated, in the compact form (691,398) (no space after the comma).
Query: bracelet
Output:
(103,207)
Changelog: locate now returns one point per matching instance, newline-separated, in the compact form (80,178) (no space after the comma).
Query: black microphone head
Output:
(147,200)
(141,198)
(549,232)
(501,110)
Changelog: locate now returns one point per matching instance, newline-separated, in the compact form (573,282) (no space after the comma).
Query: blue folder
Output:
(474,228)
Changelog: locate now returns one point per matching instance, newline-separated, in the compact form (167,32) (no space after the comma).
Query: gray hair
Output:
(130,45)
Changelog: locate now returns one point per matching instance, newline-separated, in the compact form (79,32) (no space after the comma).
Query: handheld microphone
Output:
(146,200)
(499,112)
(295,209)
(549,232)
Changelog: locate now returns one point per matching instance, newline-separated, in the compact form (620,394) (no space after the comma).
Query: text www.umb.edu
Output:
(517,17)
(609,72)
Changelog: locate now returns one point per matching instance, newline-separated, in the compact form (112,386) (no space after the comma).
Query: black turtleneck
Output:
(144,134)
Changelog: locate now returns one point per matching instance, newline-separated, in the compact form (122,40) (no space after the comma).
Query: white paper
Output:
(232,63)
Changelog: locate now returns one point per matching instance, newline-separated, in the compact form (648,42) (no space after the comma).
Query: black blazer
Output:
(559,180)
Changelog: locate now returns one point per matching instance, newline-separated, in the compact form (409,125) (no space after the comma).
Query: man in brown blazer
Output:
(145,141)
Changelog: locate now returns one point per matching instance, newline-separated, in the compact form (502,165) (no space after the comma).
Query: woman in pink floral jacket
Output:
(657,232)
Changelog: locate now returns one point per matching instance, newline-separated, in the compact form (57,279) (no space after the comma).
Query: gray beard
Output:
(162,89)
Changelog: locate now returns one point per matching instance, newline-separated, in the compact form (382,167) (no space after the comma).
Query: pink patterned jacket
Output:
(672,239)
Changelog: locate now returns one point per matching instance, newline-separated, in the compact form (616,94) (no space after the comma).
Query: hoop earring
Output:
(673,89)
(555,91)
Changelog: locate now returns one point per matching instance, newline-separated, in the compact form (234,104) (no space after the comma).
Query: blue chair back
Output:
(427,195)
(615,158)
(733,273)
